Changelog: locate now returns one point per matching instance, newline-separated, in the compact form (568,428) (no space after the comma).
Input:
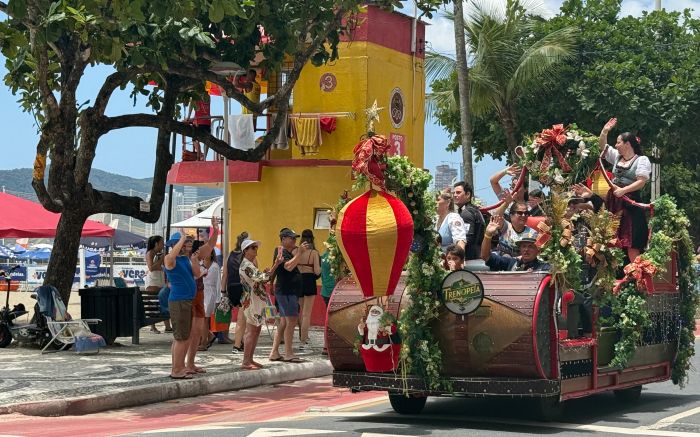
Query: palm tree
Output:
(506,60)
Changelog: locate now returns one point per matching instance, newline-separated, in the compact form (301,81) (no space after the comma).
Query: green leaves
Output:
(217,11)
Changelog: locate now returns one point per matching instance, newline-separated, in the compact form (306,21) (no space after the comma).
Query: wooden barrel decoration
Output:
(510,335)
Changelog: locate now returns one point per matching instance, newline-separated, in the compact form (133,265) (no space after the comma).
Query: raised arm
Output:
(292,263)
(491,229)
(174,252)
(205,250)
(603,139)
(496,178)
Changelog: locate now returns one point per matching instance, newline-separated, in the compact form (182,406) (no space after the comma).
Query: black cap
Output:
(286,232)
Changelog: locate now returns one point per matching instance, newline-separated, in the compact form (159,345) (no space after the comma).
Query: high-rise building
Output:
(444,175)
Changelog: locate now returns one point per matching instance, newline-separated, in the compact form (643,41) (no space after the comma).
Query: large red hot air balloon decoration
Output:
(374,232)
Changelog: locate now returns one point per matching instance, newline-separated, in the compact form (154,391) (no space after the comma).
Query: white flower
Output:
(582,150)
(558,177)
(427,270)
(534,147)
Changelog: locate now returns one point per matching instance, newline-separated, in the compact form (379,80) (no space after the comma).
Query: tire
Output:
(5,336)
(548,409)
(631,394)
(403,404)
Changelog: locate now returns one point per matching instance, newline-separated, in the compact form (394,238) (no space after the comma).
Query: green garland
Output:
(670,226)
(632,316)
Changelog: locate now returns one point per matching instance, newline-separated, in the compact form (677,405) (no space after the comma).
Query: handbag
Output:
(270,311)
(224,304)
(222,314)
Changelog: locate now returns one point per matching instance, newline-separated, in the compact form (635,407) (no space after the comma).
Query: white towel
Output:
(240,128)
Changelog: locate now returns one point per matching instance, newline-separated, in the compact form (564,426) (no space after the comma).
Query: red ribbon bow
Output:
(640,271)
(369,157)
(551,140)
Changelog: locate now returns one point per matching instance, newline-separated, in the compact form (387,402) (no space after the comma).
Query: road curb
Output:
(153,393)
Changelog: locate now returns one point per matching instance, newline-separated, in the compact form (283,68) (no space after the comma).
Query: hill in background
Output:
(19,182)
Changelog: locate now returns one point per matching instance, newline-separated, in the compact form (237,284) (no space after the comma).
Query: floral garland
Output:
(561,156)
(338,267)
(670,230)
(556,248)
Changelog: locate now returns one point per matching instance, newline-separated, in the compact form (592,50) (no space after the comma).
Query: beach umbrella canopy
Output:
(23,218)
(6,252)
(122,240)
(36,254)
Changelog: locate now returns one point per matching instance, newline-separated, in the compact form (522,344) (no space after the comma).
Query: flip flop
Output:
(280,358)
(250,367)
(185,376)
(294,360)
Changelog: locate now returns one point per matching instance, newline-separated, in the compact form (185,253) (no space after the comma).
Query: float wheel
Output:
(549,409)
(631,394)
(403,404)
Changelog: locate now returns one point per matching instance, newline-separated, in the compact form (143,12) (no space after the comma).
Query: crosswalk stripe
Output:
(276,432)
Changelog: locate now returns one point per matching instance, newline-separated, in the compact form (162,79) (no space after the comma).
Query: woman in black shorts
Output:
(310,268)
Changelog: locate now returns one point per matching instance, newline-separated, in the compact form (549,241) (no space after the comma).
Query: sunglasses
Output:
(523,213)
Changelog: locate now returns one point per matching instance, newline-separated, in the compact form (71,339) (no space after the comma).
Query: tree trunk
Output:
(511,127)
(463,86)
(61,269)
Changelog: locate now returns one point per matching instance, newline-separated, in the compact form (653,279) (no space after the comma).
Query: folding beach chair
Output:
(65,331)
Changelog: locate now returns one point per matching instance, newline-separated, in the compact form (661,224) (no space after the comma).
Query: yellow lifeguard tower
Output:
(381,59)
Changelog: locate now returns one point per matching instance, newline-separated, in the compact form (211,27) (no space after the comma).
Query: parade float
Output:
(426,332)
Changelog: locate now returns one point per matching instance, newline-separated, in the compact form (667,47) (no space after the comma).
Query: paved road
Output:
(313,407)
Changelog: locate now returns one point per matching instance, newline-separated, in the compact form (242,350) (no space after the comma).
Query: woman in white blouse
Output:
(449,224)
(632,171)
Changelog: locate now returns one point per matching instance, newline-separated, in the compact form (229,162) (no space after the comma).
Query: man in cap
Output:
(287,282)
(527,261)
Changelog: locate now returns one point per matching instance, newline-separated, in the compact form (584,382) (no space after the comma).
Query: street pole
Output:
(224,216)
(170,193)
(656,166)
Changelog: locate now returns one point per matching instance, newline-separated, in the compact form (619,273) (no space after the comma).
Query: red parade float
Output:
(522,336)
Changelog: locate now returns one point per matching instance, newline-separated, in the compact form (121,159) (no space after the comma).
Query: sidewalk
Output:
(126,375)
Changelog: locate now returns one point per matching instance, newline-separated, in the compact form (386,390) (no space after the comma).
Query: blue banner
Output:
(19,274)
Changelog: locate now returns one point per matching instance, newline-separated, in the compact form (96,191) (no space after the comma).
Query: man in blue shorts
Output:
(287,281)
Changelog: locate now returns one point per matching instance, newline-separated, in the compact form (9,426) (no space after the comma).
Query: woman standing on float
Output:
(631,170)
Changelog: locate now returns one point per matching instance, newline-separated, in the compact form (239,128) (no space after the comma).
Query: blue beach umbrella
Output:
(6,252)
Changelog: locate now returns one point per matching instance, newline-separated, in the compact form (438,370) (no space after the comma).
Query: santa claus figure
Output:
(381,347)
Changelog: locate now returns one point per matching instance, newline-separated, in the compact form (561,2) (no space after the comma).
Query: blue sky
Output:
(131,151)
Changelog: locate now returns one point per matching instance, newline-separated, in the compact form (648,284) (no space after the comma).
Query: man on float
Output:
(526,262)
(463,194)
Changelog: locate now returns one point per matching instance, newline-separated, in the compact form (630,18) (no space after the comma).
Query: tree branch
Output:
(300,59)
(104,201)
(112,82)
(3,7)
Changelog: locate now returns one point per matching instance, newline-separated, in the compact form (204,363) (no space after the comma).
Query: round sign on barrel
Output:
(461,292)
